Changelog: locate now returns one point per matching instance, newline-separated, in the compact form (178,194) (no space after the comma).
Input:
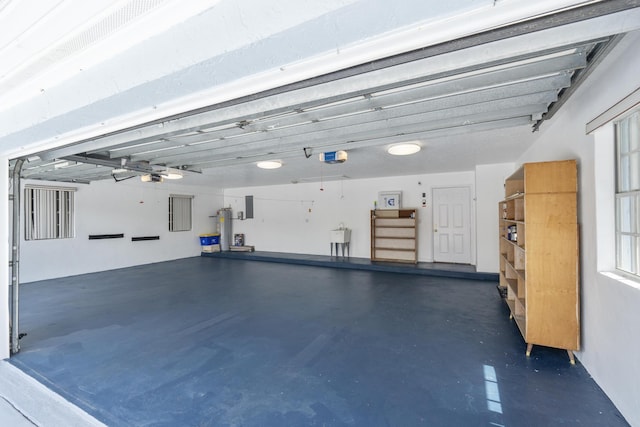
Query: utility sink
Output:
(341,235)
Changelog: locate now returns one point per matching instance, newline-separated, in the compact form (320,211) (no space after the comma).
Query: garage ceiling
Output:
(475,98)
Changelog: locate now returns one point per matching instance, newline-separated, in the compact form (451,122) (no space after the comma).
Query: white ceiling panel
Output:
(468,80)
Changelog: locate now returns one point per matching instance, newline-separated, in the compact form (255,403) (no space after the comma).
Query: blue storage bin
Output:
(209,239)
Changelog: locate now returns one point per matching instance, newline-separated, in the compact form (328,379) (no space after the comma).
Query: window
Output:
(179,212)
(628,193)
(49,213)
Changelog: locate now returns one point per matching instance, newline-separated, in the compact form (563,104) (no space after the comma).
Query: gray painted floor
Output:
(227,342)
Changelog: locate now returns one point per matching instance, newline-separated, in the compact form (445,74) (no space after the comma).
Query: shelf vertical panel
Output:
(552,286)
(518,209)
(554,208)
(551,177)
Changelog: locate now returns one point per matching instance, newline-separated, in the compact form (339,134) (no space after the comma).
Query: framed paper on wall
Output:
(390,200)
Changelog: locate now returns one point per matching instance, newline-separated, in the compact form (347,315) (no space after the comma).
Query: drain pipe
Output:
(15,257)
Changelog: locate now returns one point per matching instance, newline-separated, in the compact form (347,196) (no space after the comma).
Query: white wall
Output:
(610,314)
(130,207)
(489,191)
(296,218)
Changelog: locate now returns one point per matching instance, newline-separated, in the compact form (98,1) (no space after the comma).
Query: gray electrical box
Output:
(248,207)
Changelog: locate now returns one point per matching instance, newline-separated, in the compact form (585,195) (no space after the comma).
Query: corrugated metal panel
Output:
(503,85)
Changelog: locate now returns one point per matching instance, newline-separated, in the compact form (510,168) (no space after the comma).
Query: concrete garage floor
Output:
(228,342)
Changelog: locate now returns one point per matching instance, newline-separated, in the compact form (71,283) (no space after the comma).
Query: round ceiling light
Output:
(404,149)
(269,164)
(172,173)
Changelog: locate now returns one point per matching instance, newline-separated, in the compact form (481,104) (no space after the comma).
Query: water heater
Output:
(224,225)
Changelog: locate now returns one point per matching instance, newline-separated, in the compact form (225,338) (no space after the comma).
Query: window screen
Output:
(180,212)
(49,213)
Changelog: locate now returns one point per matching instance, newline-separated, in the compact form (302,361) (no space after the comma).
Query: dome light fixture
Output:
(404,149)
(171,173)
(269,164)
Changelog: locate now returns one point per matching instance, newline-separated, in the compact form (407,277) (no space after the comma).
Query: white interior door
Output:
(451,225)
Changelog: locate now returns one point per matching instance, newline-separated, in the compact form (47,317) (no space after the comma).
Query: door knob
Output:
(435,230)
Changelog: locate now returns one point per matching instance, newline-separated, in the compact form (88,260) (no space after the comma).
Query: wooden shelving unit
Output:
(539,254)
(394,235)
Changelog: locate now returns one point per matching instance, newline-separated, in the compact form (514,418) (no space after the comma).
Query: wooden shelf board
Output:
(406,261)
(510,264)
(511,242)
(395,249)
(514,221)
(514,196)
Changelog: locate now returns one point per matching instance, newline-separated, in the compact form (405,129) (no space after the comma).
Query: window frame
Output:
(627,194)
(178,208)
(49,213)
